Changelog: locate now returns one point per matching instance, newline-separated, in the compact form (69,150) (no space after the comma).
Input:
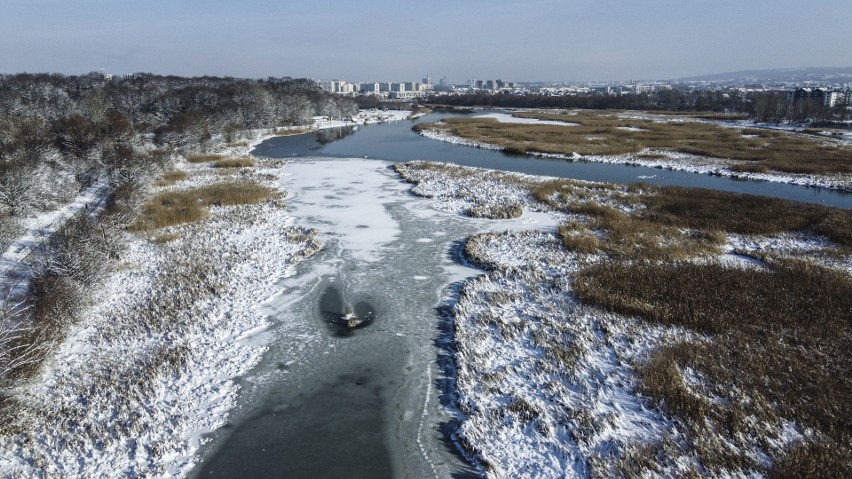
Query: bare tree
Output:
(16,192)
(22,345)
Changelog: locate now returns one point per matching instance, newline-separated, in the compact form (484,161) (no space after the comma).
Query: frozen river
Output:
(327,402)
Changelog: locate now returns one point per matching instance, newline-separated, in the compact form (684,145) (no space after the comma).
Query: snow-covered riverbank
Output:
(546,385)
(148,368)
(363,117)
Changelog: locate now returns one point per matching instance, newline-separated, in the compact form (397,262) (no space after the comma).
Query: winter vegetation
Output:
(137,235)
(656,332)
(658,140)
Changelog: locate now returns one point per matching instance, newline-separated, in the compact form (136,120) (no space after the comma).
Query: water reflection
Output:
(324,137)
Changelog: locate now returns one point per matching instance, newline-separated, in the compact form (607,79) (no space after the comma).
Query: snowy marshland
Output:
(547,385)
(550,386)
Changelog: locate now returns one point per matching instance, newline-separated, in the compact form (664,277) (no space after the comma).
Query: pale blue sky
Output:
(359,40)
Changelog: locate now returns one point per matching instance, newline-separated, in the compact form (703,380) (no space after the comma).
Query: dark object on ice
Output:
(344,319)
(352,320)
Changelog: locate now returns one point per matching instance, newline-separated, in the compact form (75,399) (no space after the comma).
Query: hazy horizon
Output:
(543,40)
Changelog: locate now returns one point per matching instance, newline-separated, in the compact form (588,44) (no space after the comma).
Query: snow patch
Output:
(507,118)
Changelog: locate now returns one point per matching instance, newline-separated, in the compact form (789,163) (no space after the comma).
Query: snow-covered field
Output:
(364,117)
(667,160)
(546,383)
(507,118)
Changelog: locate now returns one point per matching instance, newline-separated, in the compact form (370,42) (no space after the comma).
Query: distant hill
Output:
(780,75)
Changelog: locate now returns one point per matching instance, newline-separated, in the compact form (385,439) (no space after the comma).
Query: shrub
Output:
(72,260)
(171,177)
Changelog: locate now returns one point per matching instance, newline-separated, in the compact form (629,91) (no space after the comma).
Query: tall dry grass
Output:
(243,162)
(708,213)
(744,214)
(171,177)
(188,206)
(205,158)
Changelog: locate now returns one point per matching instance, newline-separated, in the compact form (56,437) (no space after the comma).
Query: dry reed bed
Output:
(218,160)
(779,333)
(607,134)
(205,157)
(234,163)
(704,215)
(779,352)
(186,206)
(169,178)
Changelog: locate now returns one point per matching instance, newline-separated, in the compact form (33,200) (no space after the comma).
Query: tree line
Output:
(62,134)
(59,133)
(772,107)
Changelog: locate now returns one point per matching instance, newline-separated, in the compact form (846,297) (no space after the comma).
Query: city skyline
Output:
(535,41)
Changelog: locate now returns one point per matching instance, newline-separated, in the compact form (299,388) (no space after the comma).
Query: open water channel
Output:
(397,142)
(327,401)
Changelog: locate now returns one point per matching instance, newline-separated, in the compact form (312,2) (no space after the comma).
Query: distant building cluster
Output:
(386,89)
(492,85)
(601,89)
(829,97)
